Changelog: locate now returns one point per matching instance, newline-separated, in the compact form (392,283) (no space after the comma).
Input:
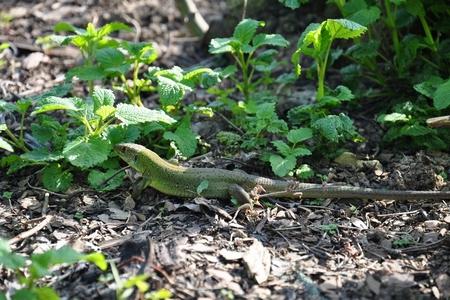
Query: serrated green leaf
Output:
(415,7)
(87,73)
(171,91)
(299,135)
(335,128)
(64,26)
(8,259)
(23,105)
(270,39)
(45,293)
(42,155)
(87,152)
(112,59)
(415,130)
(246,29)
(282,147)
(105,111)
(5,145)
(7,106)
(97,179)
(98,259)
(220,45)
(304,172)
(282,166)
(133,114)
(441,97)
(184,138)
(428,87)
(344,29)
(55,178)
(393,118)
(292,4)
(112,27)
(103,97)
(366,16)
(122,134)
(41,263)
(202,186)
(57,103)
(300,151)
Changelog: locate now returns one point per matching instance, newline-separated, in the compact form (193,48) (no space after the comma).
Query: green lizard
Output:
(183,182)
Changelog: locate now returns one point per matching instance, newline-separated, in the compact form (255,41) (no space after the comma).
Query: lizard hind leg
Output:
(240,194)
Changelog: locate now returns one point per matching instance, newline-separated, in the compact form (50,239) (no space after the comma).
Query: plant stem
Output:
(136,92)
(19,144)
(390,22)
(428,35)
(321,71)
(245,77)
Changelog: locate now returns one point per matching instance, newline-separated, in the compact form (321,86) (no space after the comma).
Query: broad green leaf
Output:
(122,133)
(109,57)
(2,296)
(246,29)
(87,152)
(7,106)
(8,259)
(344,29)
(103,97)
(161,294)
(55,178)
(220,45)
(299,135)
(270,39)
(393,118)
(58,103)
(304,172)
(364,50)
(415,7)
(64,26)
(23,105)
(42,155)
(5,145)
(87,73)
(282,147)
(112,27)
(202,186)
(441,97)
(171,91)
(45,293)
(24,294)
(301,151)
(428,87)
(105,111)
(282,166)
(97,180)
(415,130)
(133,114)
(96,258)
(185,139)
(40,263)
(139,281)
(366,16)
(292,4)
(335,128)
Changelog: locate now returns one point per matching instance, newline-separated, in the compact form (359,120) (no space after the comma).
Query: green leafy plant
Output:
(286,160)
(86,140)
(243,46)
(403,242)
(316,42)
(3,47)
(29,270)
(89,41)
(126,287)
(330,229)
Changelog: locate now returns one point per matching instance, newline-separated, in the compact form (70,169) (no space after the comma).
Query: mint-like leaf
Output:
(282,166)
(42,155)
(441,97)
(55,179)
(133,114)
(97,180)
(246,29)
(87,152)
(184,138)
(299,135)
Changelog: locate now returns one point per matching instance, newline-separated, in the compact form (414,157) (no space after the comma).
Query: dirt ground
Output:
(200,249)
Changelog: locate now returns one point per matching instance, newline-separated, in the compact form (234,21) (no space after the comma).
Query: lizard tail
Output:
(368,193)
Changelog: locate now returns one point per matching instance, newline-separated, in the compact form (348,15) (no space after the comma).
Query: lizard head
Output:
(131,154)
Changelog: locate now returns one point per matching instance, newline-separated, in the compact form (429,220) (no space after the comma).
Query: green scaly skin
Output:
(183,182)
